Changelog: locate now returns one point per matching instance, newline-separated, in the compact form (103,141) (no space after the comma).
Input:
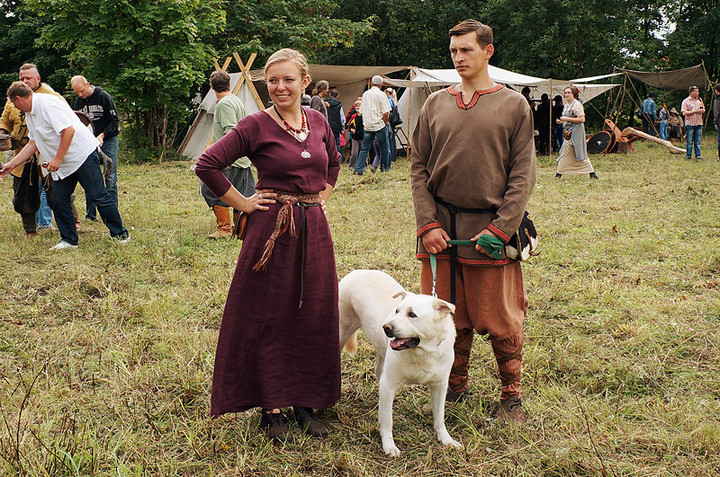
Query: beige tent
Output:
(350,81)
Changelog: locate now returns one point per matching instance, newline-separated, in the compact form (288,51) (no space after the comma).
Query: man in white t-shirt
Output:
(375,111)
(56,131)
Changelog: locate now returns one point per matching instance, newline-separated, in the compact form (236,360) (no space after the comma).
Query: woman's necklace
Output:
(299,134)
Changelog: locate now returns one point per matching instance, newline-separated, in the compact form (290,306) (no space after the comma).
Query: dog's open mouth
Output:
(404,343)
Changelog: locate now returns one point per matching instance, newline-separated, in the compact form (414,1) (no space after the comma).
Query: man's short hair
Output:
(29,66)
(651,95)
(377,80)
(334,93)
(322,85)
(18,90)
(220,81)
(693,88)
(717,87)
(484,32)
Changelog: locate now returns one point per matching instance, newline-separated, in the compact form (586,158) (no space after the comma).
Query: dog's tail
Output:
(351,345)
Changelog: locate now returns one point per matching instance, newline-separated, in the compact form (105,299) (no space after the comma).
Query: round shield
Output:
(600,142)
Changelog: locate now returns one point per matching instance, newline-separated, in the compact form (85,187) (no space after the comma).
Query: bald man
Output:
(100,107)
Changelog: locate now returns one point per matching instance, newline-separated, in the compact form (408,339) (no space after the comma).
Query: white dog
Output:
(413,336)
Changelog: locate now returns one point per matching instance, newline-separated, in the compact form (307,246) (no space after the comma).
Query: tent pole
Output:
(550,144)
(410,89)
(246,73)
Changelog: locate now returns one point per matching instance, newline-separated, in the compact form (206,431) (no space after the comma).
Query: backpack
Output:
(394,118)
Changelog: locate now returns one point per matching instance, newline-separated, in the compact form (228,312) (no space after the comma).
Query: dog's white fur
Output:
(373,300)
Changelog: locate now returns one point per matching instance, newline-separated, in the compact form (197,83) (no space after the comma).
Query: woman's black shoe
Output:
(275,426)
(593,176)
(309,423)
(558,176)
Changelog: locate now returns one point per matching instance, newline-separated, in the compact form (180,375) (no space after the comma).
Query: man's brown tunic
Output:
(479,155)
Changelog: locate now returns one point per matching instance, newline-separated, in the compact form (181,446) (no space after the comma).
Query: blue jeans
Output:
(337,142)
(382,138)
(44,213)
(663,130)
(392,144)
(110,148)
(90,178)
(694,135)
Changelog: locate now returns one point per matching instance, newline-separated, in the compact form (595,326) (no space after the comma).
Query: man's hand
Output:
(101,137)
(489,244)
(54,164)
(5,170)
(435,240)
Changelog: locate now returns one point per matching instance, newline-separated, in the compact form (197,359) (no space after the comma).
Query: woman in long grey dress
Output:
(573,157)
(279,340)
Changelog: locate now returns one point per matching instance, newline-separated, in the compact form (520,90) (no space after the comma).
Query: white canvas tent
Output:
(350,81)
(423,82)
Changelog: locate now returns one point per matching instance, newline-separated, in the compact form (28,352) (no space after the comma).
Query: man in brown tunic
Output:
(472,170)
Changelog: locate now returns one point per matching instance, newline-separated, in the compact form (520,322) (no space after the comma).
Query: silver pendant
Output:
(302,136)
(305,155)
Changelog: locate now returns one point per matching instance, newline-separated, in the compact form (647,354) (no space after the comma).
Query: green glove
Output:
(492,245)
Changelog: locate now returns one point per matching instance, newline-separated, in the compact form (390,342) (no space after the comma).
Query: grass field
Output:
(106,352)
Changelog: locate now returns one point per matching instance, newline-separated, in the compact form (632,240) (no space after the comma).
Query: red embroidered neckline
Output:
(475,97)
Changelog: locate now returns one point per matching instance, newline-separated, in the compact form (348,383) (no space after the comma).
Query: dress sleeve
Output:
(578,109)
(220,156)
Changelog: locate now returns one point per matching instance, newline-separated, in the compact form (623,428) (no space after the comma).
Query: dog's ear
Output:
(402,294)
(443,307)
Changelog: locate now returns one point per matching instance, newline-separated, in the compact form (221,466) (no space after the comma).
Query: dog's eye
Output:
(412,314)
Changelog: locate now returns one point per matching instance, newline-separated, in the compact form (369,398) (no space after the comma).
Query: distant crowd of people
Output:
(54,150)
(666,123)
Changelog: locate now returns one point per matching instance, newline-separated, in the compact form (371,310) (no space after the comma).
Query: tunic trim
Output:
(501,235)
(475,97)
(428,227)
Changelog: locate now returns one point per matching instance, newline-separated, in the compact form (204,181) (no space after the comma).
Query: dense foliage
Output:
(152,55)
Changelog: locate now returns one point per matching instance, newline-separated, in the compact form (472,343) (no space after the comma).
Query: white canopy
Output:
(425,81)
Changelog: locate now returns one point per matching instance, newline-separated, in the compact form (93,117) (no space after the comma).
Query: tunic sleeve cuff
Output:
(427,228)
(499,233)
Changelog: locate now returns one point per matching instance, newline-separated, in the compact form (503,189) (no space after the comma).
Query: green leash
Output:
(433,261)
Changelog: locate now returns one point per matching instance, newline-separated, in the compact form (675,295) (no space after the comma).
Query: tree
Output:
(150,54)
(405,32)
(18,46)
(696,37)
(265,26)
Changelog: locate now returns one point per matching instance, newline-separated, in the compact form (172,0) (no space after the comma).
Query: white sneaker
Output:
(61,245)
(122,239)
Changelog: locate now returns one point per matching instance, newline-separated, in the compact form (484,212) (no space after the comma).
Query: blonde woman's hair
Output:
(288,54)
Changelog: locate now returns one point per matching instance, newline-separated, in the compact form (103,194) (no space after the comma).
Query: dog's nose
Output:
(388,329)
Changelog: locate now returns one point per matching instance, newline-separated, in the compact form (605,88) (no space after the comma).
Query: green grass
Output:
(106,352)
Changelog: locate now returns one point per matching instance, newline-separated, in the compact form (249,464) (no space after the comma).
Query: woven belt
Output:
(286,223)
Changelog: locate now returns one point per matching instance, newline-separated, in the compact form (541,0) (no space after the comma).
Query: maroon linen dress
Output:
(271,352)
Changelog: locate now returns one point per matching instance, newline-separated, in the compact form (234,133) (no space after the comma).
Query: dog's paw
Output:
(453,443)
(446,440)
(391,450)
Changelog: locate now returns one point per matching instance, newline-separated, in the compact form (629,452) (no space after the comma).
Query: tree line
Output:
(153,55)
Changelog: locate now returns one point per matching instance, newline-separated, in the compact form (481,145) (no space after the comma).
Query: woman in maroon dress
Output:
(278,343)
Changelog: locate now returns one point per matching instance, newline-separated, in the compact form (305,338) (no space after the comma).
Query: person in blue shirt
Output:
(649,109)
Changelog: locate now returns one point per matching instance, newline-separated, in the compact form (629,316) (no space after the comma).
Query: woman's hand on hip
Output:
(260,200)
